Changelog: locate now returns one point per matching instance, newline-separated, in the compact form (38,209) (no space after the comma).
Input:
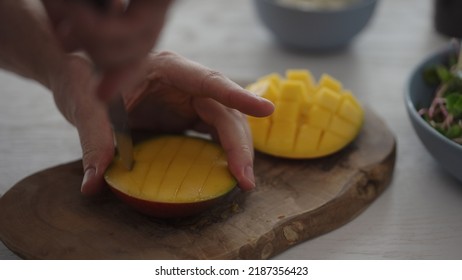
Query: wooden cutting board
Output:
(45,217)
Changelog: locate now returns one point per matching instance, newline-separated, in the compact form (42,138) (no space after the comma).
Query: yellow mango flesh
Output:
(310,120)
(173,170)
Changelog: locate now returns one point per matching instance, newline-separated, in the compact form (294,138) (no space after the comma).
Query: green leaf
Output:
(443,73)
(454,131)
(454,104)
(430,76)
(454,85)
(437,74)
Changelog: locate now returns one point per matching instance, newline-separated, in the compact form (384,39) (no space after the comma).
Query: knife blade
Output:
(121,129)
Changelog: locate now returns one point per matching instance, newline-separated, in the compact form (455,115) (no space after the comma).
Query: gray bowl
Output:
(314,30)
(419,95)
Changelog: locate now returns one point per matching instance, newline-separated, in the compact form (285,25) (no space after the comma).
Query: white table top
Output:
(418,217)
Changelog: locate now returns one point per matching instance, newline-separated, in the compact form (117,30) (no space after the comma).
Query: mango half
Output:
(310,120)
(173,176)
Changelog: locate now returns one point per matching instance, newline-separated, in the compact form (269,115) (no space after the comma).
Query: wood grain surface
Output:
(44,216)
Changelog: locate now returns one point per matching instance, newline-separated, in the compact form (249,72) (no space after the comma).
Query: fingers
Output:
(59,13)
(79,104)
(113,38)
(217,101)
(198,80)
(97,149)
(225,91)
(234,136)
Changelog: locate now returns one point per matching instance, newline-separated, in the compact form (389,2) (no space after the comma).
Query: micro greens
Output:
(445,112)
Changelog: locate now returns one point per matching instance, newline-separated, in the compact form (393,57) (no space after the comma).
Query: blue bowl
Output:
(314,30)
(420,95)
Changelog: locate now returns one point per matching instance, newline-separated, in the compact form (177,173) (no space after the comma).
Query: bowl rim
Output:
(354,6)
(412,110)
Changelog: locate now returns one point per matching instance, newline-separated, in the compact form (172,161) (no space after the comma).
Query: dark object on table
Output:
(448,17)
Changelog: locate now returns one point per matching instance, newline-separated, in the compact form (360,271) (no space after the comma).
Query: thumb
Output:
(97,150)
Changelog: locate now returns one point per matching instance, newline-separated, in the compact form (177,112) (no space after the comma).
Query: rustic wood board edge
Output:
(367,186)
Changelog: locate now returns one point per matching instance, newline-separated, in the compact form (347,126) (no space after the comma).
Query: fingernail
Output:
(87,177)
(248,173)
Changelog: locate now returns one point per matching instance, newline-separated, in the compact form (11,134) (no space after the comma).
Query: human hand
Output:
(116,38)
(176,94)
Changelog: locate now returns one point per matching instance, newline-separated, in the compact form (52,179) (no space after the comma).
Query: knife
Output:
(117,112)
(121,129)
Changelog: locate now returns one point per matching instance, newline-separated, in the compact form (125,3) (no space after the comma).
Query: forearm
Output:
(27,45)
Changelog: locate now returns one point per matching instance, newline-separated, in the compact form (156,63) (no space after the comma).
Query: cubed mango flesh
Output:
(310,120)
(171,172)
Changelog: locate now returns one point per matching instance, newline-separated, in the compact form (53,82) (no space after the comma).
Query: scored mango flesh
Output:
(310,120)
(174,169)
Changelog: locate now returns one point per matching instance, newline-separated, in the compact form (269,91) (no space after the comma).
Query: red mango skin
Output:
(165,210)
